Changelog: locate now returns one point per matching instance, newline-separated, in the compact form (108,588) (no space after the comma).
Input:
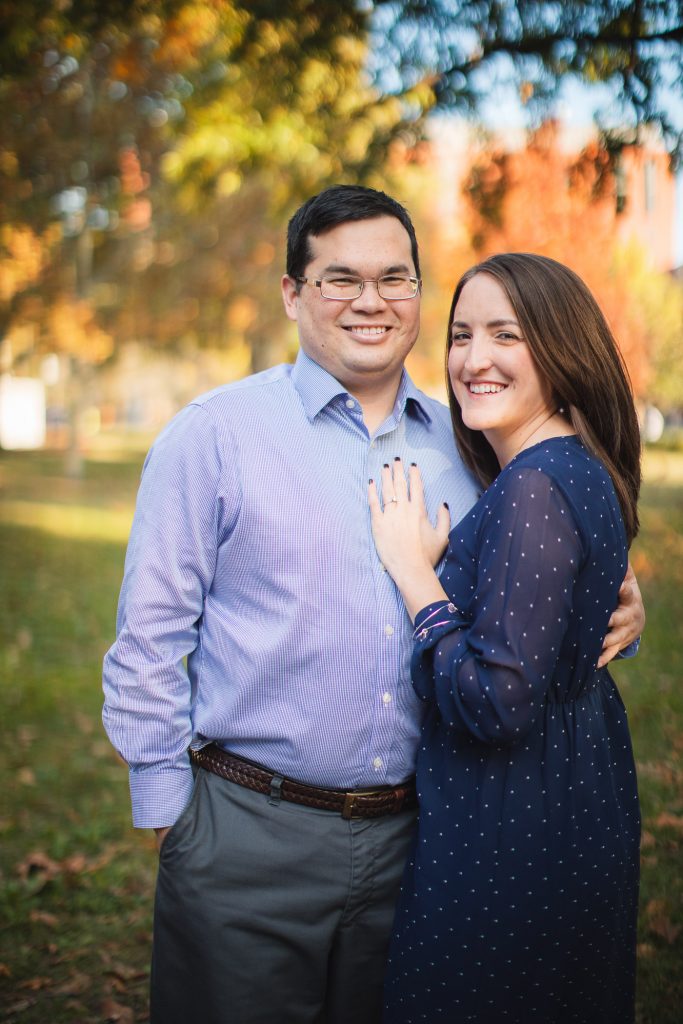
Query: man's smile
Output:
(366,330)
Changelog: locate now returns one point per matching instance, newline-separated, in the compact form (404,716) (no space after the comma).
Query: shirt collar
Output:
(407,392)
(317,388)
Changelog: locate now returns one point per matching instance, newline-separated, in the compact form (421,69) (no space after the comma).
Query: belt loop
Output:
(275,787)
(348,808)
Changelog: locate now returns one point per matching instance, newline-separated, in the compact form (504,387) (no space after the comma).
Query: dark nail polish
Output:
(386,465)
(370,480)
(397,458)
(445,505)
(414,464)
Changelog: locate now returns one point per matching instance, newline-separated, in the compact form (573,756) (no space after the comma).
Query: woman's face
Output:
(496,382)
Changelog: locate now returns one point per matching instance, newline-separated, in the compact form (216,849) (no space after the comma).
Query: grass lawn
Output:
(76,882)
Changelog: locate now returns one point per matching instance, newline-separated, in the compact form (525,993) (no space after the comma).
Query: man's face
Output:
(362,342)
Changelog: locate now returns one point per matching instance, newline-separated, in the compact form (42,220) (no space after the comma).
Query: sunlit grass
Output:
(665,467)
(75,521)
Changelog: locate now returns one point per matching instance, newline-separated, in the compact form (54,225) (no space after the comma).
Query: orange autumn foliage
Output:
(543,199)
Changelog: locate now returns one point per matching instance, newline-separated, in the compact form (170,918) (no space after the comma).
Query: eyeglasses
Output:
(343,288)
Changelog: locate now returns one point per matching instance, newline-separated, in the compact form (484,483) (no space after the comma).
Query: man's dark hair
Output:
(338,205)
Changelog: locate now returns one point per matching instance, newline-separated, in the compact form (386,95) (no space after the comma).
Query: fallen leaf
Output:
(38,862)
(26,777)
(35,984)
(659,922)
(110,851)
(125,973)
(5,971)
(656,770)
(76,864)
(664,927)
(44,917)
(134,918)
(78,1012)
(115,1012)
(645,950)
(666,820)
(41,869)
(647,840)
(74,985)
(20,1007)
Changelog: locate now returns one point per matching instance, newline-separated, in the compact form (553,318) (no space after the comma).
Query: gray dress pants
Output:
(272,913)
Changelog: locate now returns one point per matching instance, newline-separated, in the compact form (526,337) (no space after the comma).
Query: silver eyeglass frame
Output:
(318,283)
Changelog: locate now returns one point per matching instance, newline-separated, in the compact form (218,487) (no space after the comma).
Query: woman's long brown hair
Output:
(576,352)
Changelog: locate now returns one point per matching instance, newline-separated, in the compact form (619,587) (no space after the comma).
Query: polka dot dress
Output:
(519,901)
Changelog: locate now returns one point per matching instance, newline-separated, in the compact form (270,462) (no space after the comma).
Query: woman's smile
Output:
(496,381)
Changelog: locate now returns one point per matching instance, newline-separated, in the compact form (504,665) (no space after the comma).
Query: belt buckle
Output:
(347,809)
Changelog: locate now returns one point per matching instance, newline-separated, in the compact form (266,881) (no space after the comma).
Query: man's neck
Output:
(377,403)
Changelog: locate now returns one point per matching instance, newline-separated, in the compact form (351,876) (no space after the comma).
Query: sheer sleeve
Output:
(489,672)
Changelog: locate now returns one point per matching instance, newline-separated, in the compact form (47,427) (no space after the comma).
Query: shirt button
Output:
(377,763)
(386,697)
(350,404)
(389,630)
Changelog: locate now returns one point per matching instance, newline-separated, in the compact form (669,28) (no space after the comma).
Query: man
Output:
(251,555)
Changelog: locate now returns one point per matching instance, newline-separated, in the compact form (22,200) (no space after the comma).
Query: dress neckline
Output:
(539,444)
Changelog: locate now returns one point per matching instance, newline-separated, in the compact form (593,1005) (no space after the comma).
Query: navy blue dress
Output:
(519,901)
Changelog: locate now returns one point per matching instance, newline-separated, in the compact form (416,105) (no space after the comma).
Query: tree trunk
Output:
(77,388)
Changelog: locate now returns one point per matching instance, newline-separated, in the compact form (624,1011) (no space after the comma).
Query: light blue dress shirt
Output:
(251,556)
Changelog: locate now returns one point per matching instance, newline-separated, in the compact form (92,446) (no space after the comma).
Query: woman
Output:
(519,902)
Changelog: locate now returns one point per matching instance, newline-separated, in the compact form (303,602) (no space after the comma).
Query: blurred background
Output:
(151,153)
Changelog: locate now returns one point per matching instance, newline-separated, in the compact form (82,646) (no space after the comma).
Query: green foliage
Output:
(204,93)
(287,93)
(660,299)
(139,141)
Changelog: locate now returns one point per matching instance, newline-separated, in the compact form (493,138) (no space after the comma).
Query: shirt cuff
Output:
(431,625)
(431,620)
(160,797)
(631,650)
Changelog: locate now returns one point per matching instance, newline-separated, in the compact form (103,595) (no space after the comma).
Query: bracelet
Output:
(422,631)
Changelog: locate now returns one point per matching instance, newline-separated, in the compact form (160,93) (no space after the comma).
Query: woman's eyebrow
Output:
(490,323)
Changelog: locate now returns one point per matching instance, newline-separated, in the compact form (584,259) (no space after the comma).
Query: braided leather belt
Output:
(354,803)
